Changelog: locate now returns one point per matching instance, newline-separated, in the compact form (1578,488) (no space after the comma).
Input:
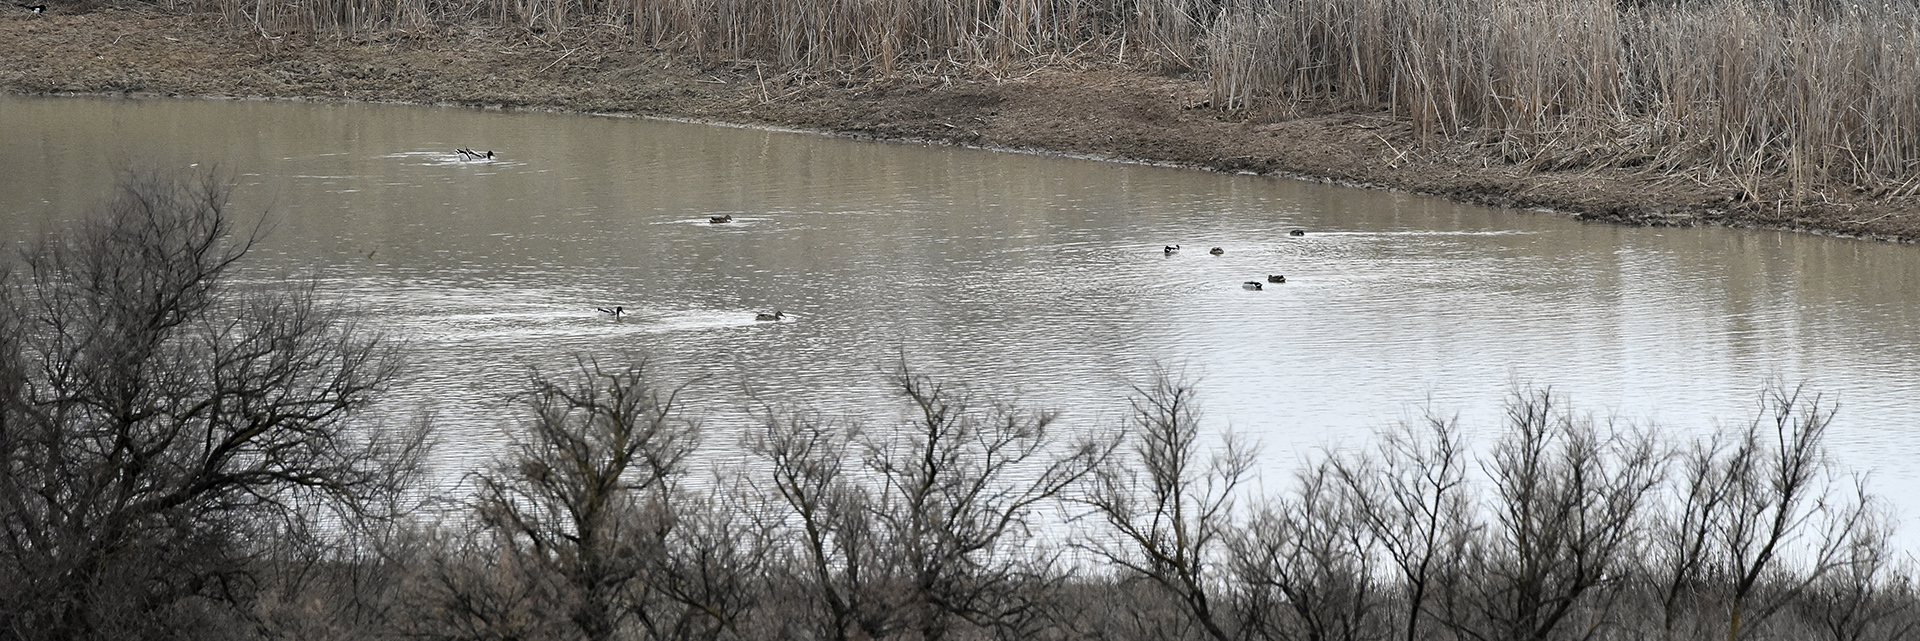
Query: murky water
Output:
(1039,279)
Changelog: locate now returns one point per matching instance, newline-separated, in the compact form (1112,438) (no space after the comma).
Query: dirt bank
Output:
(1097,108)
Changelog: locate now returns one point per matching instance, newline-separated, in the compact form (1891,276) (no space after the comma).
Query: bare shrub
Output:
(1781,504)
(1566,516)
(834,566)
(706,582)
(1682,550)
(933,534)
(1411,493)
(582,532)
(1757,520)
(158,427)
(1166,509)
(961,486)
(1867,595)
(1303,566)
(339,583)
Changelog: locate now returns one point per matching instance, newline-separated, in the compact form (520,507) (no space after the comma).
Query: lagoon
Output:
(1031,279)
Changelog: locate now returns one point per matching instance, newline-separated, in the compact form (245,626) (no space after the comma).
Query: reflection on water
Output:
(1041,279)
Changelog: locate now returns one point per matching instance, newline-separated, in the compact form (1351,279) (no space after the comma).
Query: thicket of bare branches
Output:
(162,432)
(1574,528)
(935,532)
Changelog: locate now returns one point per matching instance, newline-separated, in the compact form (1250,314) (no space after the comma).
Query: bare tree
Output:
(932,530)
(1781,496)
(1411,494)
(960,485)
(1682,549)
(1308,556)
(154,419)
(705,579)
(581,504)
(1865,596)
(835,564)
(1569,500)
(1166,508)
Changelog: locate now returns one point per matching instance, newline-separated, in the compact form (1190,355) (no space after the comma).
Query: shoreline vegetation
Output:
(1790,114)
(185,457)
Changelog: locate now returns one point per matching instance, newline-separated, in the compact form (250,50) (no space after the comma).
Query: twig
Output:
(1395,163)
(557,60)
(1869,220)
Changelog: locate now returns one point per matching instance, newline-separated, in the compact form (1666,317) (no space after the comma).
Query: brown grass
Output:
(855,35)
(1820,93)
(1780,99)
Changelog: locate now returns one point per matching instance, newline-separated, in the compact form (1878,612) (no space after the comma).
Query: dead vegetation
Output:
(1783,100)
(1787,102)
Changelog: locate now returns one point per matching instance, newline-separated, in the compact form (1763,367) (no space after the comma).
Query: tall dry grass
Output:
(876,35)
(1824,94)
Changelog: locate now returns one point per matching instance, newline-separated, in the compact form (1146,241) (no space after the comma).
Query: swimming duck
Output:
(1216,251)
(1171,249)
(469,154)
(616,311)
(1297,232)
(1276,278)
(1252,284)
(716,220)
(770,317)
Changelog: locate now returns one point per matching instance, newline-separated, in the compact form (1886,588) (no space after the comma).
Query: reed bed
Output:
(1823,94)
(876,35)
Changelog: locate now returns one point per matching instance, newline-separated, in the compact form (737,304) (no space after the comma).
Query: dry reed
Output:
(1821,93)
(876,35)
(1824,95)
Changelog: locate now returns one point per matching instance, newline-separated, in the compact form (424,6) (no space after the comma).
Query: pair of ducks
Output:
(1170,249)
(1256,285)
(617,311)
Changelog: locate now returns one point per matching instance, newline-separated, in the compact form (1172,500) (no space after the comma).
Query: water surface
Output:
(1036,279)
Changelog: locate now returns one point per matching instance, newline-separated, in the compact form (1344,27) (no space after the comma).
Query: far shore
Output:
(1084,107)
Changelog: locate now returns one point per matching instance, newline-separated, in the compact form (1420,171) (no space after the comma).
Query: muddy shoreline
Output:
(1092,108)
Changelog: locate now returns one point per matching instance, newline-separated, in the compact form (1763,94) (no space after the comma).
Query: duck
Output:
(469,154)
(1297,232)
(616,311)
(1171,249)
(1252,284)
(1276,278)
(763,316)
(717,220)
(1216,251)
